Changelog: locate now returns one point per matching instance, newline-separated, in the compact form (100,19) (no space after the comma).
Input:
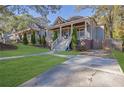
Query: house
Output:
(39,27)
(19,34)
(87,30)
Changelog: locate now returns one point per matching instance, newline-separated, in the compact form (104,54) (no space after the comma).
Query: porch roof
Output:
(26,30)
(68,23)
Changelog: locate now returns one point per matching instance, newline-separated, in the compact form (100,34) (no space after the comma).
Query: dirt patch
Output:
(7,47)
(98,53)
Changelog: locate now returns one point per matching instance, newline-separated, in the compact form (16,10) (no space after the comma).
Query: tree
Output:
(18,16)
(106,15)
(119,25)
(74,38)
(43,10)
(55,36)
(33,40)
(25,40)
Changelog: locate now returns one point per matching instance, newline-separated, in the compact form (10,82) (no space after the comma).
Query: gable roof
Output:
(62,20)
(75,18)
(59,18)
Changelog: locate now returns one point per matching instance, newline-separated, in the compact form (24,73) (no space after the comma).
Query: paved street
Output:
(81,71)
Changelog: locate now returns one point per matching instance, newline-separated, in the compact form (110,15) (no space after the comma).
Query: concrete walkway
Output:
(21,56)
(38,54)
(81,71)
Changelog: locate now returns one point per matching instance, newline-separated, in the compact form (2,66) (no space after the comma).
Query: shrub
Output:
(25,40)
(43,40)
(40,42)
(74,38)
(33,40)
(55,36)
(20,36)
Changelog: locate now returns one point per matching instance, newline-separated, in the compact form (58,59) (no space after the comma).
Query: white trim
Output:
(79,36)
(69,23)
(85,30)
(91,29)
(60,34)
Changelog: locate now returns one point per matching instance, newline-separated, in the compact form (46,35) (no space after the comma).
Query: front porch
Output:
(83,27)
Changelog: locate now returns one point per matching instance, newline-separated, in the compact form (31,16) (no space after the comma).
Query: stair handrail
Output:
(69,41)
(55,43)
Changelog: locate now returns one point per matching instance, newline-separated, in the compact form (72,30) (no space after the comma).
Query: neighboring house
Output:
(39,27)
(4,37)
(19,34)
(87,30)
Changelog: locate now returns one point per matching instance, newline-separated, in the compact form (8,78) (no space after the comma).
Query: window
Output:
(81,34)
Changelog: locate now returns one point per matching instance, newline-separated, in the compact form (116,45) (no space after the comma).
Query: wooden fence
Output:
(112,43)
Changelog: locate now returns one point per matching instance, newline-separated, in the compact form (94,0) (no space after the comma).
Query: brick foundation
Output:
(88,43)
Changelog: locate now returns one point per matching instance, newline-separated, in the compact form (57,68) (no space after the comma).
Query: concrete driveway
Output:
(81,71)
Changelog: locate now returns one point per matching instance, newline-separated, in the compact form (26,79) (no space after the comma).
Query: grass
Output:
(16,71)
(120,57)
(22,50)
(69,52)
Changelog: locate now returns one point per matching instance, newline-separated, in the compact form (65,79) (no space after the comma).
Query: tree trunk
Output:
(111,34)
(111,31)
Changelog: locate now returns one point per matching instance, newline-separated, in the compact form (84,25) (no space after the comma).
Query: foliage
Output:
(16,23)
(55,36)
(4,11)
(25,40)
(10,21)
(107,15)
(43,10)
(33,40)
(43,40)
(74,38)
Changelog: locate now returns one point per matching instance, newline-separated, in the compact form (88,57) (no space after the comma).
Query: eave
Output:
(68,23)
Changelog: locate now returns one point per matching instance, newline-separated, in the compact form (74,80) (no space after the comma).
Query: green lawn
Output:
(22,50)
(69,52)
(16,71)
(120,57)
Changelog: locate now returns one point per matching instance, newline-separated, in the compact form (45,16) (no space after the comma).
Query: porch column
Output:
(60,34)
(85,30)
(71,29)
(91,28)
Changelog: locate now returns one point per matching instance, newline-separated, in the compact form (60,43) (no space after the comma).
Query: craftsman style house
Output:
(87,30)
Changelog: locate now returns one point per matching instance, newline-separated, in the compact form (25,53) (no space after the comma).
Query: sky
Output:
(68,11)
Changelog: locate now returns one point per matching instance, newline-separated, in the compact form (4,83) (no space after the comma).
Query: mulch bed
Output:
(42,46)
(7,47)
